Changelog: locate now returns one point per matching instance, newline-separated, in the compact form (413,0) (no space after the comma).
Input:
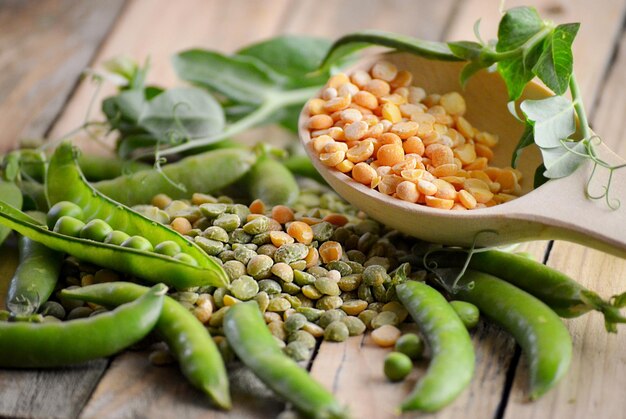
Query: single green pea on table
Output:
(261,259)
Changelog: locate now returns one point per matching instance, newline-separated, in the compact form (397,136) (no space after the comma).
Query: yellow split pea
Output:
(377,128)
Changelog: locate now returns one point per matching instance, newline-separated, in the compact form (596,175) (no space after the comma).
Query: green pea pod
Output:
(253,343)
(565,296)
(271,182)
(10,193)
(48,345)
(35,277)
(147,265)
(65,182)
(452,361)
(97,168)
(544,339)
(207,172)
(189,341)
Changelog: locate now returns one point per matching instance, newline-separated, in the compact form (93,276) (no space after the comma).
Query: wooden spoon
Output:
(558,209)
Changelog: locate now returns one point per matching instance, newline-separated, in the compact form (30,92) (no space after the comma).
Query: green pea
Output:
(63,208)
(295,322)
(234,269)
(366,316)
(259,266)
(355,325)
(317,271)
(139,243)
(411,345)
(228,222)
(343,268)
(329,302)
(267,249)
(211,247)
(349,283)
(290,288)
(239,236)
(330,316)
(243,254)
(117,237)
(297,351)
(96,230)
(52,308)
(375,275)
(279,304)
(69,226)
(291,252)
(270,286)
(298,265)
(185,258)
(322,231)
(356,267)
(384,318)
(168,248)
(263,300)
(327,286)
(303,336)
(212,210)
(468,313)
(244,287)
(241,211)
(262,238)
(311,314)
(283,271)
(356,256)
(257,226)
(216,233)
(227,255)
(277,328)
(311,292)
(303,278)
(336,331)
(397,366)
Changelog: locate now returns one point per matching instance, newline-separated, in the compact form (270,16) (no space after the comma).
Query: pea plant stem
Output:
(271,105)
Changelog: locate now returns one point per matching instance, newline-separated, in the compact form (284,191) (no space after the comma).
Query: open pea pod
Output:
(150,266)
(65,182)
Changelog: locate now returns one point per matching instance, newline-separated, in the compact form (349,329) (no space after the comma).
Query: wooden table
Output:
(46,44)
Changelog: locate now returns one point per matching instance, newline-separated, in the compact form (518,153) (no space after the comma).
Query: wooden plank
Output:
(134,388)
(44,46)
(58,393)
(597,376)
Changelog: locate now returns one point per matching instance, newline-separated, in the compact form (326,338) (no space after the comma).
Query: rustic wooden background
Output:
(46,44)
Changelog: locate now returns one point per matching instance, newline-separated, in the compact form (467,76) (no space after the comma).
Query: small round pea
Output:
(167,248)
(375,275)
(69,226)
(330,316)
(295,322)
(397,366)
(244,287)
(139,243)
(116,237)
(355,325)
(298,351)
(185,258)
(61,209)
(336,331)
(467,312)
(96,230)
(410,344)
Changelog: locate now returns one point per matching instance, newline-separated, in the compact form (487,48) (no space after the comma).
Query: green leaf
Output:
(240,78)
(555,64)
(518,71)
(553,120)
(354,41)
(292,56)
(517,26)
(526,139)
(130,104)
(560,162)
(182,113)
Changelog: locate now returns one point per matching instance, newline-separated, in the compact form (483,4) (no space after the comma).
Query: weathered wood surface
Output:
(131,387)
(44,47)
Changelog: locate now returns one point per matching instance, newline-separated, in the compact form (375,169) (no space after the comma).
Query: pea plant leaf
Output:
(241,78)
(182,113)
(561,162)
(552,118)
(526,140)
(516,30)
(556,62)
(294,57)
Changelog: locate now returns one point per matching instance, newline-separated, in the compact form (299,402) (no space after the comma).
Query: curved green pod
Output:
(48,345)
(205,173)
(271,182)
(452,361)
(544,339)
(10,193)
(150,266)
(188,339)
(65,182)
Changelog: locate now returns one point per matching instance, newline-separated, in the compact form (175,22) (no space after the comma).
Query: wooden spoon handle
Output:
(568,214)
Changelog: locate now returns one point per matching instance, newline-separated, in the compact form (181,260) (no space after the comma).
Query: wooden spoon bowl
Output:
(559,209)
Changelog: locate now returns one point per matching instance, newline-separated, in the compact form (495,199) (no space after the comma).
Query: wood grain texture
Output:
(58,393)
(132,387)
(44,47)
